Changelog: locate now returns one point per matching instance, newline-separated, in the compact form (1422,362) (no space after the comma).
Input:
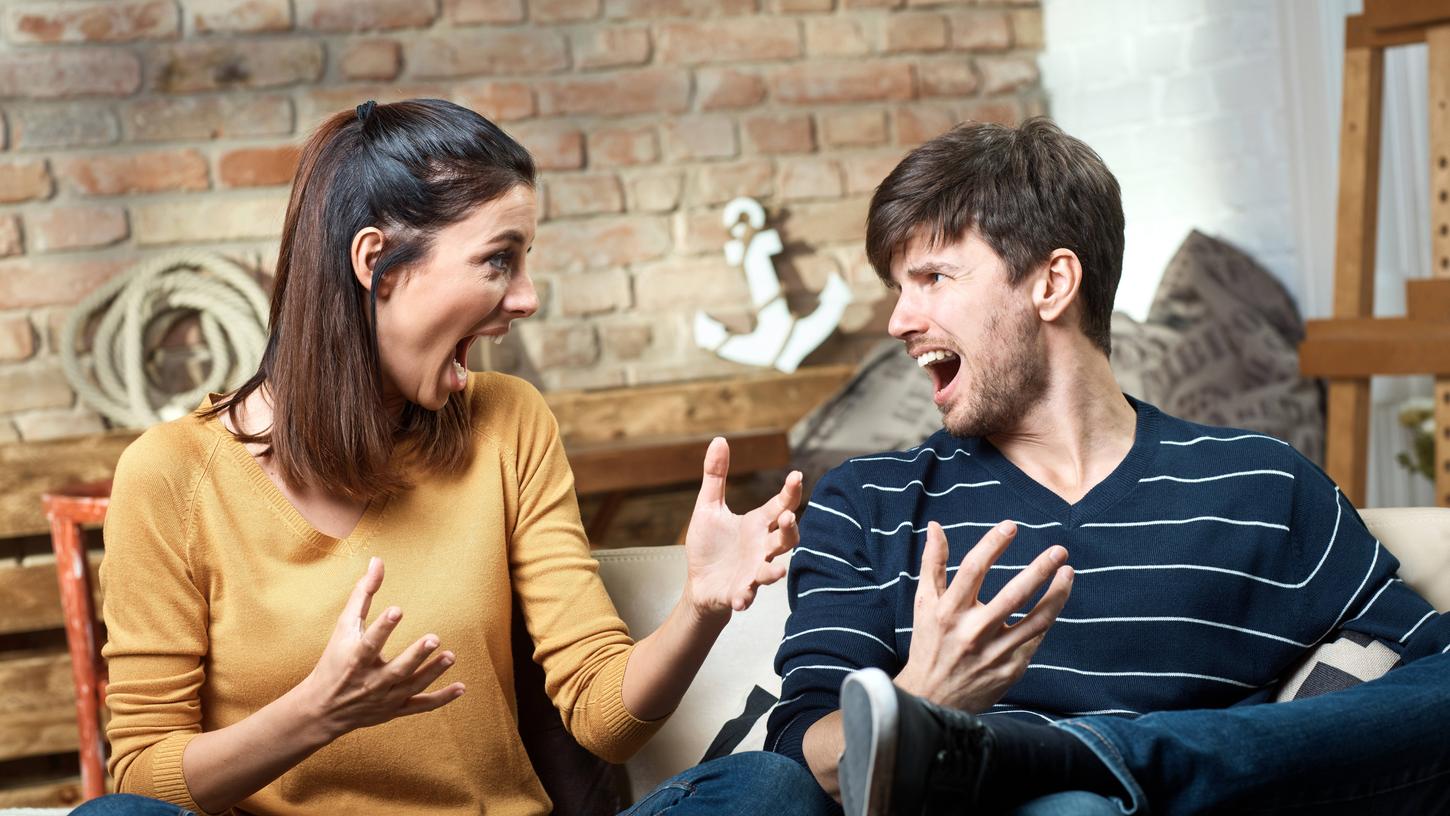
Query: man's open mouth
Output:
(943,367)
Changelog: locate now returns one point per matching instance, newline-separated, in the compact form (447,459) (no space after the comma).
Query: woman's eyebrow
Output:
(510,236)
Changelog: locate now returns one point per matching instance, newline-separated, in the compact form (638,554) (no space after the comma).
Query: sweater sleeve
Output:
(840,620)
(1353,584)
(156,622)
(578,637)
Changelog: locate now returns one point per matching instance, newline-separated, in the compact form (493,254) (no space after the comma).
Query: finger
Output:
(933,561)
(1026,583)
(356,609)
(419,703)
(377,635)
(717,467)
(975,564)
(767,574)
(1045,612)
(428,675)
(404,665)
(787,534)
(787,499)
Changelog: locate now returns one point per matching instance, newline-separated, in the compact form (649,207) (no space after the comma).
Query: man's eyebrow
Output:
(930,268)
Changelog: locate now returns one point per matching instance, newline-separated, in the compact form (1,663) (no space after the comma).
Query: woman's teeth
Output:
(460,371)
(498,339)
(934,357)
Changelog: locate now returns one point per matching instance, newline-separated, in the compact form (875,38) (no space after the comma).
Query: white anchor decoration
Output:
(779,339)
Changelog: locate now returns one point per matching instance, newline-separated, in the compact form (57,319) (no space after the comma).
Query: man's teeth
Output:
(934,357)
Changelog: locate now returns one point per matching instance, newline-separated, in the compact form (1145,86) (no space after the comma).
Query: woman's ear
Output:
(1057,289)
(367,246)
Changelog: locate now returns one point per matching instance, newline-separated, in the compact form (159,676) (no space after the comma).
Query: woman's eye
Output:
(502,261)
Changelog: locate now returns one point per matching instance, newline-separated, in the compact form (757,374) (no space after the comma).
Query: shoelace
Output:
(954,766)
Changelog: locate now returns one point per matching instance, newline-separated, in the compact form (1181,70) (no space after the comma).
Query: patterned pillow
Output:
(1352,659)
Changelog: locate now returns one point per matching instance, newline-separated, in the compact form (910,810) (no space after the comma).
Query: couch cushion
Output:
(1420,538)
(724,710)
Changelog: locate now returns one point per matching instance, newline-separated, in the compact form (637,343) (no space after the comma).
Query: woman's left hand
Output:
(730,556)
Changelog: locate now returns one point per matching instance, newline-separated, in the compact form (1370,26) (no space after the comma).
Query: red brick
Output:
(623,146)
(562,11)
(697,233)
(601,242)
(34,387)
(24,180)
(780,133)
(258,166)
(864,173)
(918,124)
(859,4)
(697,283)
(652,9)
(371,59)
(836,37)
(317,103)
(718,183)
(472,12)
(218,65)
(700,137)
(656,192)
(723,88)
(1001,111)
(1027,29)
(853,128)
(149,172)
(610,47)
(94,21)
(802,6)
(207,117)
(804,179)
(820,82)
(622,93)
(952,78)
(36,426)
(498,101)
(12,242)
(980,31)
(64,73)
(916,32)
(842,221)
(63,125)
(17,338)
(372,15)
(584,195)
(592,293)
(76,227)
(739,40)
(1004,74)
(241,16)
(27,282)
(626,341)
(519,51)
(554,147)
(553,345)
(209,218)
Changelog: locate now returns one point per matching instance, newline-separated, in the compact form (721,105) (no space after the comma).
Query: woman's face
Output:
(472,285)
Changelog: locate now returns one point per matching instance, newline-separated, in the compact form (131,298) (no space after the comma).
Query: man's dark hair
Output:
(1026,191)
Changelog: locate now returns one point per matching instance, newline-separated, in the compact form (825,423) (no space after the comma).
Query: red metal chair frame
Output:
(67,510)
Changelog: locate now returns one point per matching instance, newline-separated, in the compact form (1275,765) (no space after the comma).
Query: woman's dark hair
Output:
(408,168)
(1026,191)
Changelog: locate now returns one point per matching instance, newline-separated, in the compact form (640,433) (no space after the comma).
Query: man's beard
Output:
(1005,385)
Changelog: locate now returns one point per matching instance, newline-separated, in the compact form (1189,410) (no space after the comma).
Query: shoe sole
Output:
(869,721)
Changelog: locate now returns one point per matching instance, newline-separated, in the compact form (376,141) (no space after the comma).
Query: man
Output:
(1205,562)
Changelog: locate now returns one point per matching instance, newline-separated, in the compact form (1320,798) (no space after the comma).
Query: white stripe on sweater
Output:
(834,511)
(958,524)
(1141,674)
(1224,439)
(1158,522)
(1428,615)
(799,549)
(1172,619)
(1376,597)
(888,646)
(918,483)
(1186,480)
(939,457)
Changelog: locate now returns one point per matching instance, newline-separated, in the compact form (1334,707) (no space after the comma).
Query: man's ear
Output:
(367,247)
(1058,285)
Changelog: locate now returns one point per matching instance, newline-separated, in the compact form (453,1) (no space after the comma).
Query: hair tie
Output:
(365,110)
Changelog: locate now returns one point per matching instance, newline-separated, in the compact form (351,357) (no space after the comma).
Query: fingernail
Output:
(394,614)
(447,659)
(1006,528)
(372,562)
(430,643)
(1059,554)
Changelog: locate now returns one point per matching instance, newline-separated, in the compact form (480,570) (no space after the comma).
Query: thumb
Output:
(717,466)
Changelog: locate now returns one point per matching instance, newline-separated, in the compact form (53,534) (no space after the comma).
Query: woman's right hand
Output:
(353,686)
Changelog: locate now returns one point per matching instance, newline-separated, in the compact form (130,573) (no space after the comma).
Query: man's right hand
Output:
(353,686)
(964,654)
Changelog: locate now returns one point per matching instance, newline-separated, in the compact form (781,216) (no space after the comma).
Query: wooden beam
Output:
(1439,120)
(1390,15)
(32,596)
(1364,347)
(640,464)
(1428,299)
(28,469)
(64,792)
(37,710)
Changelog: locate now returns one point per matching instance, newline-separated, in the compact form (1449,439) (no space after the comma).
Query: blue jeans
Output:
(748,783)
(1379,747)
(127,804)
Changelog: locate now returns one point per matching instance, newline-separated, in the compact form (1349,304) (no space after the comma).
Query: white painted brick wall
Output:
(1184,100)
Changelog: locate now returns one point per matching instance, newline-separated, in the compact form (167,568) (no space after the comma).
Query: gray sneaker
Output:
(905,756)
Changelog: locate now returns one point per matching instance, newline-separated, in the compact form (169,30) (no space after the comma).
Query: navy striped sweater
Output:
(1208,563)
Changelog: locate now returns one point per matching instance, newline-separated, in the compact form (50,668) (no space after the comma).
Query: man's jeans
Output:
(746,783)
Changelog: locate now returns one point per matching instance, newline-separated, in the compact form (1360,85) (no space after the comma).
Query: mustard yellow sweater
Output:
(219,597)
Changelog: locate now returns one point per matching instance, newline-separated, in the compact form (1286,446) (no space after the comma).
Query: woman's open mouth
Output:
(460,362)
(943,367)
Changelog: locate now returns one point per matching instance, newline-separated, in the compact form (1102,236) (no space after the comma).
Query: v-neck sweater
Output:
(1208,562)
(220,597)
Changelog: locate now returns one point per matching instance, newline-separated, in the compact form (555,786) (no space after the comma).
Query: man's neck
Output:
(1077,434)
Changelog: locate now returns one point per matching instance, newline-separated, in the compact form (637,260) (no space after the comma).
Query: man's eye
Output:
(935,278)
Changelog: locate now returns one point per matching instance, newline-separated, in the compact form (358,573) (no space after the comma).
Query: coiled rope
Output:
(139,307)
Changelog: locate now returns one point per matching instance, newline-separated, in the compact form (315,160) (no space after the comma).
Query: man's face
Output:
(978,337)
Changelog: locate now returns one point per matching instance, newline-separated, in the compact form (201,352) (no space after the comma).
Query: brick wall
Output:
(129,127)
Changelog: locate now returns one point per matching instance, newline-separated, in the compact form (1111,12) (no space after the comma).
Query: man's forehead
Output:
(926,251)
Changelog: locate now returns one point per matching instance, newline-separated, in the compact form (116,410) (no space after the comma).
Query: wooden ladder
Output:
(1352,346)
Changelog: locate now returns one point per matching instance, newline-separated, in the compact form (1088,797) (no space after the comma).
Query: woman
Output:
(250,666)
